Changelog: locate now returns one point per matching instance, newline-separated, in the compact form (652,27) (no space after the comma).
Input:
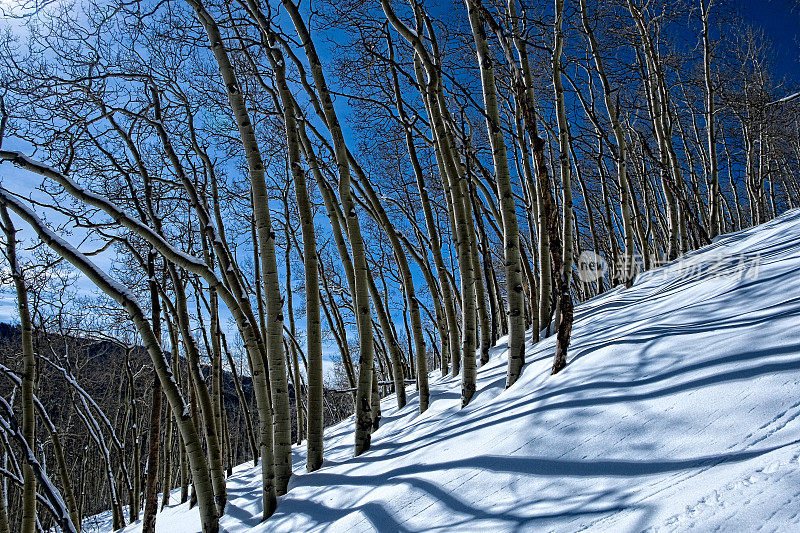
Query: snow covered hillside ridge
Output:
(678,410)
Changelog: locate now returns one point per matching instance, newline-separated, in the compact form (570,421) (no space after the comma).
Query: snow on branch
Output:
(74,189)
(785,99)
(9,425)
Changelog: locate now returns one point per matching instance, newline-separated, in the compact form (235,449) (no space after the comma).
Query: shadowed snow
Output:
(678,410)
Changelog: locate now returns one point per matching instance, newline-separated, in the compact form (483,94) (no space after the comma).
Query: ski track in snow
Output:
(678,411)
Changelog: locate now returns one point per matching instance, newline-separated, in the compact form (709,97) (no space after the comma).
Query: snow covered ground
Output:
(678,411)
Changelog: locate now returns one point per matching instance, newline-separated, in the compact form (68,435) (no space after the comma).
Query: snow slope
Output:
(678,411)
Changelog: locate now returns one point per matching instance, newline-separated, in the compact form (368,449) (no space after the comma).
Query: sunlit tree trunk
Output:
(453,180)
(277,448)
(314,443)
(393,347)
(658,106)
(166,483)
(430,223)
(407,282)
(361,296)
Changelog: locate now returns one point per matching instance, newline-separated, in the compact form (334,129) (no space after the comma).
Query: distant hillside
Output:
(98,364)
(99,368)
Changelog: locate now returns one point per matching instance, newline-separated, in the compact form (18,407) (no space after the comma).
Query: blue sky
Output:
(780,20)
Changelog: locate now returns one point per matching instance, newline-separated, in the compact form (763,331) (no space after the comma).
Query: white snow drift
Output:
(678,410)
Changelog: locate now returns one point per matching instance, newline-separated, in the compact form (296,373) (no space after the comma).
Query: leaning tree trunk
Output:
(362,309)
(480,287)
(4,524)
(50,495)
(166,487)
(393,347)
(407,282)
(455,193)
(63,471)
(466,262)
(314,443)
(658,106)
(430,223)
(548,225)
(202,480)
(444,162)
(248,420)
(151,478)
(28,523)
(207,408)
(336,219)
(514,289)
(278,450)
(204,401)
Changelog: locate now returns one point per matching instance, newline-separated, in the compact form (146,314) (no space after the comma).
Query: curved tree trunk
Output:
(202,480)
(276,450)
(430,223)
(361,296)
(514,289)
(456,193)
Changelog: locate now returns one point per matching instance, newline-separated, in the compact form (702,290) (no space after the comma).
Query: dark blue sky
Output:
(780,20)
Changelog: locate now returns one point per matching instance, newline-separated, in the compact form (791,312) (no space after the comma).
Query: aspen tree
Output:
(202,482)
(456,190)
(148,213)
(61,463)
(293,362)
(480,288)
(565,306)
(337,219)
(334,216)
(710,119)
(205,403)
(313,324)
(237,382)
(279,386)
(28,371)
(58,449)
(430,224)
(659,110)
(51,497)
(242,316)
(621,153)
(166,483)
(514,289)
(361,296)
(407,283)
(4,524)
